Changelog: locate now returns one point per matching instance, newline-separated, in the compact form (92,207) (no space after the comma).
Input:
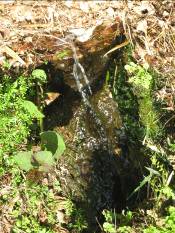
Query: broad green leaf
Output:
(32,109)
(23,160)
(44,158)
(61,147)
(53,142)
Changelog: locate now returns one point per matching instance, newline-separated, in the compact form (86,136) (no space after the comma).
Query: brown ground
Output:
(32,32)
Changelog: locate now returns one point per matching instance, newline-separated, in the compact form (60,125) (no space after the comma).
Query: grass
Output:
(30,197)
(134,93)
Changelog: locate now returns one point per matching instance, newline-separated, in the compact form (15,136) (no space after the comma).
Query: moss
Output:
(142,85)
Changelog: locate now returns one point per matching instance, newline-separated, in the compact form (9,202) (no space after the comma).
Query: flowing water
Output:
(79,74)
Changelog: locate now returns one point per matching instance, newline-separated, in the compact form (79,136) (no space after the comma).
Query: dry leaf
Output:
(84,6)
(60,217)
(142,26)
(51,96)
(12,54)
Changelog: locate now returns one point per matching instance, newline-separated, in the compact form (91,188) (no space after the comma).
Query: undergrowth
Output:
(30,195)
(133,89)
(31,203)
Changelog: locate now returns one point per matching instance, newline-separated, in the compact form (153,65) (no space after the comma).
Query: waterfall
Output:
(79,74)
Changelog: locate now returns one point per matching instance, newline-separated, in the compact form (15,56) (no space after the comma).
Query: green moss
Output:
(142,84)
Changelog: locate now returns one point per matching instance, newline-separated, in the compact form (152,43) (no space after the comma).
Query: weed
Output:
(15,117)
(61,55)
(168,225)
(24,201)
(6,65)
(53,146)
(78,220)
(141,81)
(117,223)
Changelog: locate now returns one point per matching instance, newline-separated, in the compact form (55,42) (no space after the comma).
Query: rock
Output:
(89,169)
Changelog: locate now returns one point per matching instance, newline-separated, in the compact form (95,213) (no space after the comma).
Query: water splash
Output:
(79,74)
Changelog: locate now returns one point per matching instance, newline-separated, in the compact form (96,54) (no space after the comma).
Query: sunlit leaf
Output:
(152,171)
(40,75)
(23,160)
(142,183)
(53,142)
(32,109)
(44,158)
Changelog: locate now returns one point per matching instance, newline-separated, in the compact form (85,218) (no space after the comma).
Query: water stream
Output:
(79,74)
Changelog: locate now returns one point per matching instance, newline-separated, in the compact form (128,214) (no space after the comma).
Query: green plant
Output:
(54,147)
(146,180)
(115,222)
(108,225)
(16,116)
(40,78)
(171,145)
(141,81)
(127,103)
(124,229)
(78,220)
(53,142)
(30,219)
(61,55)
(168,223)
(25,202)
(6,64)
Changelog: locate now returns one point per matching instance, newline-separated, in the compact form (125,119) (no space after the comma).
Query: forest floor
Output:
(31,30)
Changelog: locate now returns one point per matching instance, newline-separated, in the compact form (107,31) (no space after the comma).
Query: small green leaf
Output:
(23,160)
(61,55)
(32,109)
(53,142)
(142,183)
(44,158)
(153,171)
(109,227)
(40,75)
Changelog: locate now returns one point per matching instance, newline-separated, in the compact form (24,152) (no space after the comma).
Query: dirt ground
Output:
(31,32)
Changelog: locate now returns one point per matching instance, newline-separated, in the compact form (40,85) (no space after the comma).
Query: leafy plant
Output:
(6,64)
(78,223)
(35,194)
(23,159)
(121,221)
(53,142)
(39,75)
(32,109)
(109,227)
(168,225)
(26,202)
(40,78)
(141,81)
(171,145)
(43,160)
(16,113)
(146,180)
